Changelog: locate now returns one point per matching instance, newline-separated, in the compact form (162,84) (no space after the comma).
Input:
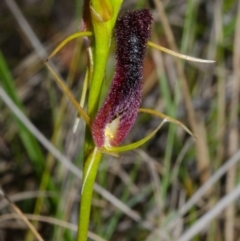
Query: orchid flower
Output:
(109,125)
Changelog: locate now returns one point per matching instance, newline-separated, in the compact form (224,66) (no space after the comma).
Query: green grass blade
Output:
(31,145)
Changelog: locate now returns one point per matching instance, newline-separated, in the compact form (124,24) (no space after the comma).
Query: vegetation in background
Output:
(156,181)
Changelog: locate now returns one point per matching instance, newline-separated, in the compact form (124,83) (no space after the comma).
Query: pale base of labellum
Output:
(110,131)
(110,150)
(137,144)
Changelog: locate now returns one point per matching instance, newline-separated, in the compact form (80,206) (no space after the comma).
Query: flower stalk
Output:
(89,175)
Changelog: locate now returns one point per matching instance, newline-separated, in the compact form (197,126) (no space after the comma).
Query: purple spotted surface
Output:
(120,108)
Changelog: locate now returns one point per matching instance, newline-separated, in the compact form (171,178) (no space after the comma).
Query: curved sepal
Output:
(181,56)
(68,39)
(167,118)
(64,88)
(134,145)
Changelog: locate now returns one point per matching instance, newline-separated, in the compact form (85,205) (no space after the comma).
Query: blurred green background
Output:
(157,181)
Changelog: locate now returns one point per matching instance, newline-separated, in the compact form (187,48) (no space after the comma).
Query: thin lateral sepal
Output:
(90,64)
(134,145)
(167,118)
(70,96)
(181,56)
(82,101)
(66,40)
(86,83)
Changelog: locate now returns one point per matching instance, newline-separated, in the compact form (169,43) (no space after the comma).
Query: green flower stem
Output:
(89,175)
(104,14)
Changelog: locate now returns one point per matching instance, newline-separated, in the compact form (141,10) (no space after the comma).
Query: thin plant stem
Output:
(89,175)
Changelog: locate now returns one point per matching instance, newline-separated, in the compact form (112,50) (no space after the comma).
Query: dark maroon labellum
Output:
(119,111)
